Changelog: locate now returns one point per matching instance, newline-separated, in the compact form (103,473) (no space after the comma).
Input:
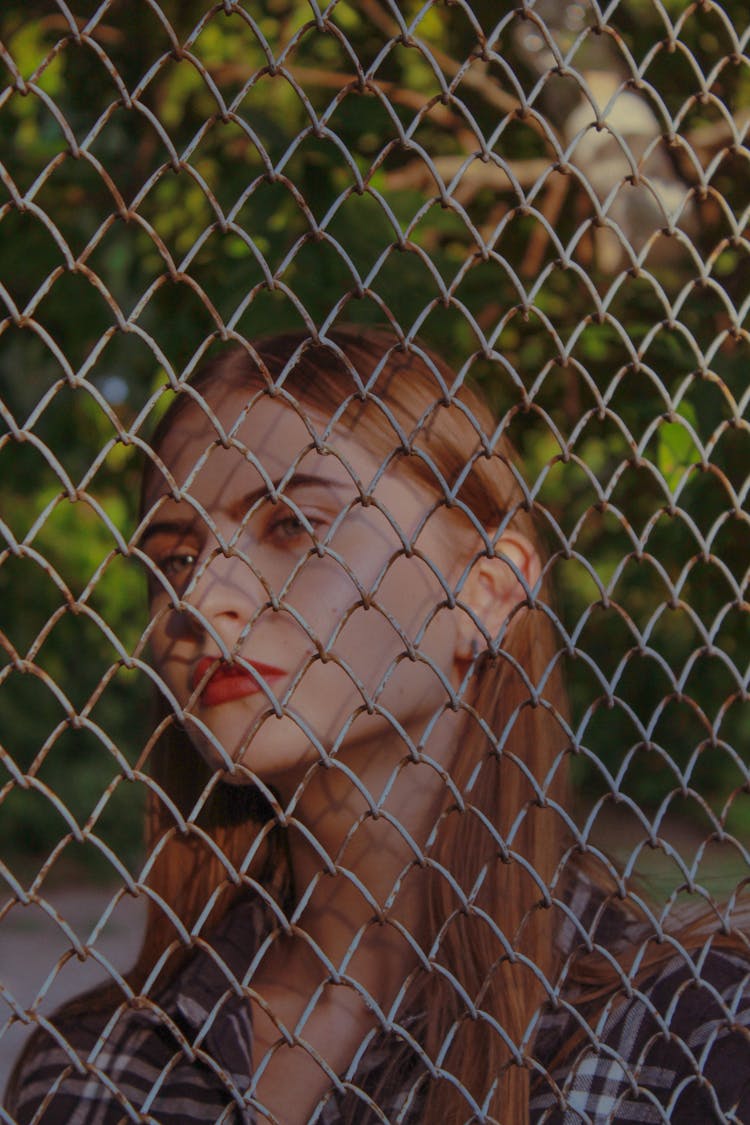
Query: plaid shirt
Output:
(677,1049)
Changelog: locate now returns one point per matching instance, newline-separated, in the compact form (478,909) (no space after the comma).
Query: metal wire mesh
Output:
(434,889)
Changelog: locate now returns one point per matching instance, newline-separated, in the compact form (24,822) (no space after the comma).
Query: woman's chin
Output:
(237,777)
(249,765)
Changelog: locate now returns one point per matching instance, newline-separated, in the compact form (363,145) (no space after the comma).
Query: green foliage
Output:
(159,200)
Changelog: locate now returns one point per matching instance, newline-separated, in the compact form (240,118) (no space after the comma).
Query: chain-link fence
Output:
(374,468)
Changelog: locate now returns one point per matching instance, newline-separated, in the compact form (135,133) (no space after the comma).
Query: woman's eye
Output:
(292,527)
(177,566)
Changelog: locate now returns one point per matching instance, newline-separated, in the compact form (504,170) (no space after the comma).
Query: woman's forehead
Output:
(268,437)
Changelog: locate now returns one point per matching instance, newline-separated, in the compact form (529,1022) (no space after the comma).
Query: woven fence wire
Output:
(374,464)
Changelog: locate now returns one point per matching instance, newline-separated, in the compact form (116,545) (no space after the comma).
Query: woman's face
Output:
(303,630)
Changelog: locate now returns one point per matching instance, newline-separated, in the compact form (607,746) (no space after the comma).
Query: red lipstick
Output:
(229,681)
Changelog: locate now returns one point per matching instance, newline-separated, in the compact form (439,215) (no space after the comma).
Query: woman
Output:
(364,900)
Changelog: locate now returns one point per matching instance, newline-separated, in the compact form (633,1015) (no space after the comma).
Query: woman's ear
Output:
(493,589)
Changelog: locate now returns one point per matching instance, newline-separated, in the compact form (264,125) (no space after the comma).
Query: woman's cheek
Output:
(163,655)
(323,594)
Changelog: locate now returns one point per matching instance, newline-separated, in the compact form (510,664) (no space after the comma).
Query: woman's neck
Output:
(360,918)
(357,832)
(330,982)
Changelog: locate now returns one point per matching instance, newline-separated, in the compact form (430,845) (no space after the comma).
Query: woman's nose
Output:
(225,597)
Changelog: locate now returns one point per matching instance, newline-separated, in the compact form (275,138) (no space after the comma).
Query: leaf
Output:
(676,451)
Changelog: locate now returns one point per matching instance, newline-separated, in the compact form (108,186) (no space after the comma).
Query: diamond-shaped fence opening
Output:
(374,561)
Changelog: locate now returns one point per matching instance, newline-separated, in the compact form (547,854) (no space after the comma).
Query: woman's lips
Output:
(229,681)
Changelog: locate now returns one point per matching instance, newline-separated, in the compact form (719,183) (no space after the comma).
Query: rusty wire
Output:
(536,197)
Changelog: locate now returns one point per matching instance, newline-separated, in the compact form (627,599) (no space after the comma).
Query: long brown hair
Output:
(500,845)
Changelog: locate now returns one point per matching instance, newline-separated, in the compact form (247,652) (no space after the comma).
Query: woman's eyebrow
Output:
(242,506)
(299,480)
(166,527)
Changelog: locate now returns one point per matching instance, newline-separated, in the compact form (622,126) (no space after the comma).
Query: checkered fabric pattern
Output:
(677,1050)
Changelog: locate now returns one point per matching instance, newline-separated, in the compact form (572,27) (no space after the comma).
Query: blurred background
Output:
(555,202)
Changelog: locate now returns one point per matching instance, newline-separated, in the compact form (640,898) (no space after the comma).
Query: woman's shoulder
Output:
(697,1034)
(145,1058)
(82,1059)
(183,1055)
(673,1046)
